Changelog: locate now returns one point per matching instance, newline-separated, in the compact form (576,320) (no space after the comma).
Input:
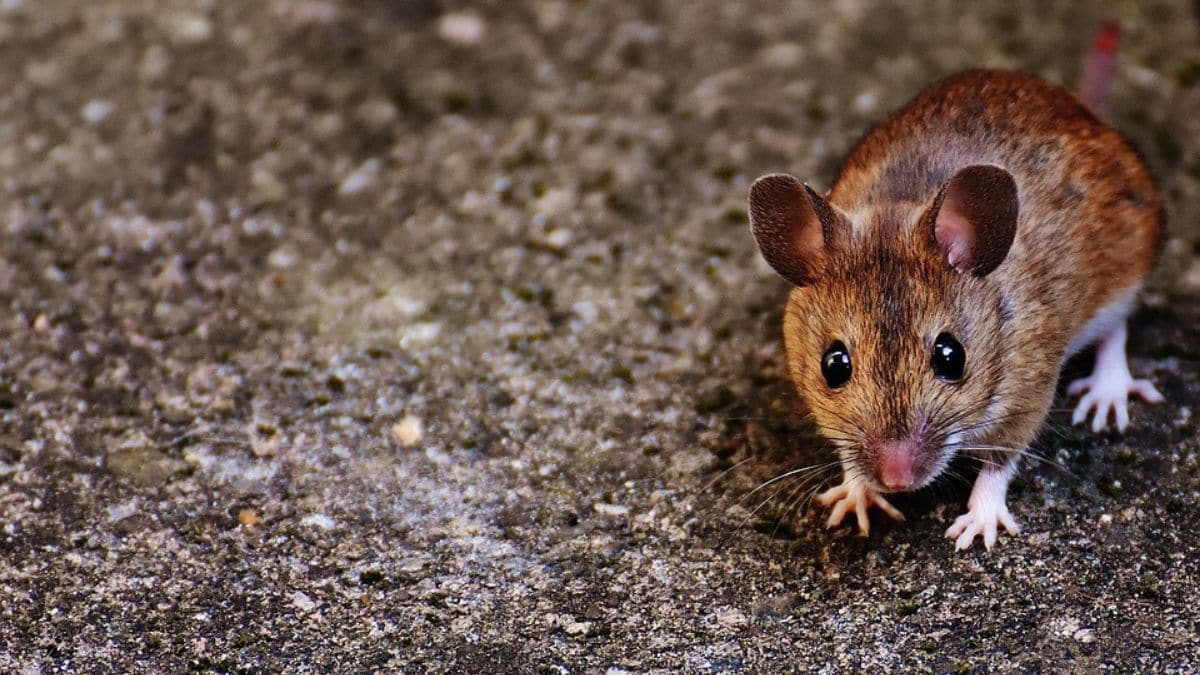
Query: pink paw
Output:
(984,520)
(852,495)
(1106,392)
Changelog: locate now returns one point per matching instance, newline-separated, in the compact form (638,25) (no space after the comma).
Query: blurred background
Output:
(366,334)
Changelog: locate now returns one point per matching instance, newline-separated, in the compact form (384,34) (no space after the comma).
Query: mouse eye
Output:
(949,358)
(835,365)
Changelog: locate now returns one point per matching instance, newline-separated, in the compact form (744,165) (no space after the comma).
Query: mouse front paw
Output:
(853,495)
(982,519)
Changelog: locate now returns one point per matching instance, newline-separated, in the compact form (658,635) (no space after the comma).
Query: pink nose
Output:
(896,460)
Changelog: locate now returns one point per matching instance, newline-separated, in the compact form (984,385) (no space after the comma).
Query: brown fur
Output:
(1088,230)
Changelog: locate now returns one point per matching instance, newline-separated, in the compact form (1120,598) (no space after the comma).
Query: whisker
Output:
(993,420)
(954,474)
(709,485)
(751,515)
(786,507)
(806,476)
(1012,451)
(787,474)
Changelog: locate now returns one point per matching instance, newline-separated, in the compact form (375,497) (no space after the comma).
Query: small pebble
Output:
(96,111)
(462,29)
(266,185)
(866,102)
(1192,276)
(189,28)
(319,521)
(302,602)
(579,628)
(421,333)
(377,113)
(558,237)
(361,178)
(155,63)
(606,509)
(120,512)
(556,203)
(282,258)
(729,617)
(408,431)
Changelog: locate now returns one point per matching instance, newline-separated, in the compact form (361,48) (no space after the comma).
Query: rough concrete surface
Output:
(429,336)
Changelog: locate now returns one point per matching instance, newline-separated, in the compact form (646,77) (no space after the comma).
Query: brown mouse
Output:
(974,241)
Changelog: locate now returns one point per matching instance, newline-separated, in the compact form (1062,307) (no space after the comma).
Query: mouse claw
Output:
(986,513)
(981,522)
(853,495)
(891,511)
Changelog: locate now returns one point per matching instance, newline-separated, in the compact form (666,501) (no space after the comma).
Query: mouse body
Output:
(973,242)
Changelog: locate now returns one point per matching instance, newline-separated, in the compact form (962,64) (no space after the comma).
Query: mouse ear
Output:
(792,226)
(975,217)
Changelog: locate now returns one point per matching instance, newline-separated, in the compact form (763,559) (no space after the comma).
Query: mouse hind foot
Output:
(1108,388)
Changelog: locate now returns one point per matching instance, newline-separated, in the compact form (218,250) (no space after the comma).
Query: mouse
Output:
(972,242)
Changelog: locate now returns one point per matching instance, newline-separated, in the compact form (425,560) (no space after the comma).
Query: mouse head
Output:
(892,329)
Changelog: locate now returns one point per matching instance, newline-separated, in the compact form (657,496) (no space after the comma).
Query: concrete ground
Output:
(429,336)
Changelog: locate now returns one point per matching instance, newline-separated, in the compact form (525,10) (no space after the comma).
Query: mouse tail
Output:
(1099,66)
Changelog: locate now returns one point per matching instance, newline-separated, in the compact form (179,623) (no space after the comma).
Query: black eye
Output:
(835,365)
(949,358)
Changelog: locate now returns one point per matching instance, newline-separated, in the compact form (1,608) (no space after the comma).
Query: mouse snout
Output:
(897,460)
